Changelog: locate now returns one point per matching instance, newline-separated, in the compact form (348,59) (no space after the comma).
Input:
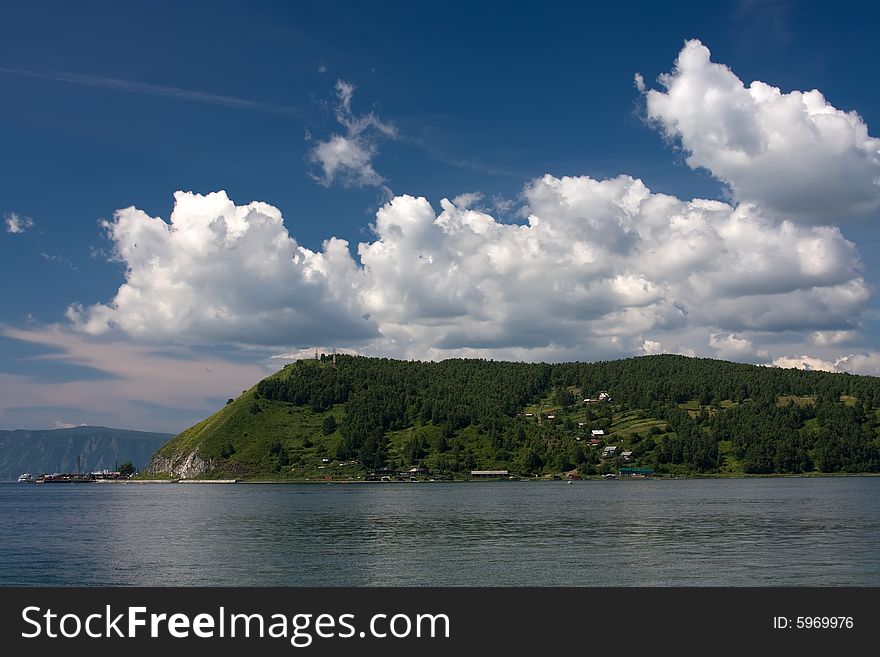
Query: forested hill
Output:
(671,414)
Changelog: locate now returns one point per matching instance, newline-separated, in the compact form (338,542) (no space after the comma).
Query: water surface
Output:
(725,532)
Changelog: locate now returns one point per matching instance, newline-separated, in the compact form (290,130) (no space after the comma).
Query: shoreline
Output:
(564,480)
(543,479)
(258,481)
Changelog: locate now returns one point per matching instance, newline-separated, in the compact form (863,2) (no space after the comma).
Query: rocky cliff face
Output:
(180,466)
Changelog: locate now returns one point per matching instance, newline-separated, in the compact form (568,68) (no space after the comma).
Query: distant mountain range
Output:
(56,450)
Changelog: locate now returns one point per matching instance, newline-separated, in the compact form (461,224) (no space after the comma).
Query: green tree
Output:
(564,397)
(532,461)
(413,450)
(328,426)
(373,453)
(126,469)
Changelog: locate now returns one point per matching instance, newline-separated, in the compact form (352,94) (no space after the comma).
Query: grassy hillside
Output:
(252,436)
(674,415)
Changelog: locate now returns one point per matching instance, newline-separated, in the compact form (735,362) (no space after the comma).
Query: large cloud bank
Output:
(601,268)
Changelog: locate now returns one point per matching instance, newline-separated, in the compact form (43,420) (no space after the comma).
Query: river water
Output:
(714,532)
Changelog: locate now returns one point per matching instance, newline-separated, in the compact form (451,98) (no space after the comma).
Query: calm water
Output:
(772,532)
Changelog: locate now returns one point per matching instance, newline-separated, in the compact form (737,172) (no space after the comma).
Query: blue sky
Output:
(311,117)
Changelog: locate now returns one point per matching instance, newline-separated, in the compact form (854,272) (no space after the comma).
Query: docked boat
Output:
(26,478)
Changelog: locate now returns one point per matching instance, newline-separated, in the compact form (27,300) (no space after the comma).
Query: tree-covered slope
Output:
(678,415)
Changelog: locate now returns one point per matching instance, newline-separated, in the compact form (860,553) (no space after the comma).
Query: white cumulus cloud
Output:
(60,424)
(604,264)
(218,272)
(600,268)
(732,347)
(833,338)
(858,363)
(17,224)
(794,154)
(805,363)
(861,363)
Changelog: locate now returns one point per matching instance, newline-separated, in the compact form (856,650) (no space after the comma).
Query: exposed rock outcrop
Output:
(180,466)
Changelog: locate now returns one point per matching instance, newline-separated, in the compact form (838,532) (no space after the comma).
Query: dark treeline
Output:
(828,435)
(737,403)
(638,382)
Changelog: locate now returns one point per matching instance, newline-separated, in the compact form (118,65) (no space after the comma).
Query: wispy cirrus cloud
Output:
(140,382)
(163,91)
(60,260)
(349,157)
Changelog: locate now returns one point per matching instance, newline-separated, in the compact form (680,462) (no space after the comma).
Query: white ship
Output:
(26,478)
